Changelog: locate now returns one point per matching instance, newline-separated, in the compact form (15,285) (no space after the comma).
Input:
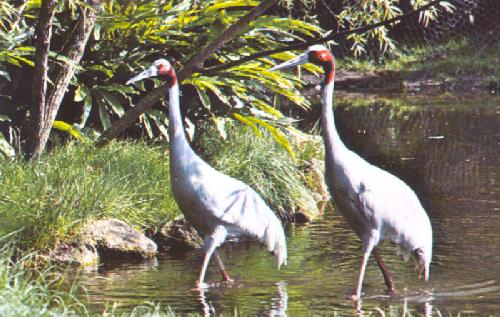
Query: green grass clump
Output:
(260,162)
(32,293)
(25,291)
(48,199)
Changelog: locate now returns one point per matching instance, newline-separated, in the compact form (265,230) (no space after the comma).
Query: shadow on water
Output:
(449,155)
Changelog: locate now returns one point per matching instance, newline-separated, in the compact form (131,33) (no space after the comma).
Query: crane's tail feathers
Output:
(274,239)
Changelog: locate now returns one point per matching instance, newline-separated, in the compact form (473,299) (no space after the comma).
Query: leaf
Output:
(108,72)
(63,126)
(87,107)
(231,4)
(144,118)
(81,92)
(6,149)
(5,75)
(161,120)
(205,100)
(97,32)
(113,102)
(277,134)
(249,123)
(4,118)
(124,90)
(103,114)
(220,124)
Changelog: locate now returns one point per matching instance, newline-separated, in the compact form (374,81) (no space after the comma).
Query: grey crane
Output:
(217,205)
(376,204)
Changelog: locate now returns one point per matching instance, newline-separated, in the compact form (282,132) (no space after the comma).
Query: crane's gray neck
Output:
(179,145)
(176,129)
(334,147)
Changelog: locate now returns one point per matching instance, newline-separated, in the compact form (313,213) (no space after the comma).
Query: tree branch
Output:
(193,65)
(327,38)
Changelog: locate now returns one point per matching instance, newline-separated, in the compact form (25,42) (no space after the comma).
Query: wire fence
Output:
(478,21)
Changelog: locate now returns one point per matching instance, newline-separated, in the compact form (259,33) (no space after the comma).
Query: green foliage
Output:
(238,90)
(32,292)
(366,12)
(47,200)
(129,35)
(257,160)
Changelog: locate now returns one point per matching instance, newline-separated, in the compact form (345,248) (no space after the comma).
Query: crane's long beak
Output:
(299,60)
(150,72)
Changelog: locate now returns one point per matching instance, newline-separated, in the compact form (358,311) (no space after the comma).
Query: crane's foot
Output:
(227,280)
(201,285)
(355,297)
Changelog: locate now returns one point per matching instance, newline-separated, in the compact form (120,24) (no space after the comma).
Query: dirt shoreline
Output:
(392,81)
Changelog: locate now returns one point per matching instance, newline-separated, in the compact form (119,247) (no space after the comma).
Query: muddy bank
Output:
(417,82)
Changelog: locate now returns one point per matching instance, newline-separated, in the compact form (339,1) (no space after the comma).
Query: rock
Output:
(313,201)
(307,209)
(74,254)
(179,235)
(113,239)
(315,178)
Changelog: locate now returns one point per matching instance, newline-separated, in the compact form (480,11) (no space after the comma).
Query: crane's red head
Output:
(316,54)
(160,68)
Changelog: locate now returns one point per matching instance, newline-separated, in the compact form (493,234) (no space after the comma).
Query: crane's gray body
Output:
(376,204)
(211,200)
(216,205)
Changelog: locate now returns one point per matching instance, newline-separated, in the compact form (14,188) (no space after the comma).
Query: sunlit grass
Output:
(48,199)
(32,292)
(26,291)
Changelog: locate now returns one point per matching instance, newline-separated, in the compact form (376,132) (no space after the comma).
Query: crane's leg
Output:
(362,268)
(210,249)
(225,276)
(387,274)
(212,242)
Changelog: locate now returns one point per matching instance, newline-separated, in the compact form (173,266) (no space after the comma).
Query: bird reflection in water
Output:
(277,307)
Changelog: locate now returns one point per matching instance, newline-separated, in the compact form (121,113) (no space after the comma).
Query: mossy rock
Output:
(114,239)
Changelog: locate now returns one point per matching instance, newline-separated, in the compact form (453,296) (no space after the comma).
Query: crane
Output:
(376,204)
(216,205)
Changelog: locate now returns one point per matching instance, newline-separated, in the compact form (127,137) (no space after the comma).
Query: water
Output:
(449,154)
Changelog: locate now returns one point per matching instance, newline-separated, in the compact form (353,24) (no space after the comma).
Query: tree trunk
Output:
(62,76)
(196,62)
(37,115)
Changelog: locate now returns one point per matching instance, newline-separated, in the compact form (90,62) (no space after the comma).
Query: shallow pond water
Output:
(448,154)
